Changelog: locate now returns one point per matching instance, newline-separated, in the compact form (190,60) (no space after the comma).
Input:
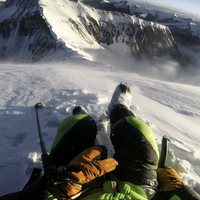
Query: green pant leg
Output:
(74,134)
(136,151)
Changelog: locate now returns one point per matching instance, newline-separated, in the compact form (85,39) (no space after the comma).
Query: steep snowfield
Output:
(170,109)
(59,15)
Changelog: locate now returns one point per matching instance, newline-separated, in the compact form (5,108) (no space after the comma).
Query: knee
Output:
(119,112)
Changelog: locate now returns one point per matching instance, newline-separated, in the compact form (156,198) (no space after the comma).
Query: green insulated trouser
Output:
(74,134)
(135,148)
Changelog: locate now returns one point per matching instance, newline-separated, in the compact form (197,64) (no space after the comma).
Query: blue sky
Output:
(190,6)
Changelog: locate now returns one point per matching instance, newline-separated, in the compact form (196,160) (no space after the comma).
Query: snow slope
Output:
(170,109)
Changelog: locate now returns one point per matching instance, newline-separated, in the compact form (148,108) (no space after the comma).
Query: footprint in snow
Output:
(18,139)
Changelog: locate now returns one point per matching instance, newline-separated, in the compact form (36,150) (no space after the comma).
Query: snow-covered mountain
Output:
(24,33)
(39,30)
(184,29)
(110,37)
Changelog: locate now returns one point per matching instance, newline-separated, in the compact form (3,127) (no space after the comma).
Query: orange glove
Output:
(90,165)
(169,179)
(85,167)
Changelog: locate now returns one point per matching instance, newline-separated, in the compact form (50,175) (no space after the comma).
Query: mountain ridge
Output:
(39,30)
(182,27)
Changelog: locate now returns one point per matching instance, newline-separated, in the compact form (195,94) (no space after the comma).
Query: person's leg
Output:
(118,112)
(75,134)
(135,148)
(134,143)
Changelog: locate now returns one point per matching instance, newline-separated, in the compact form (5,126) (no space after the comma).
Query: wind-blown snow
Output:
(170,109)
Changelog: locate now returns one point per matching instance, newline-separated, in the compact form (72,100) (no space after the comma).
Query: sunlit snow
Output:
(169,108)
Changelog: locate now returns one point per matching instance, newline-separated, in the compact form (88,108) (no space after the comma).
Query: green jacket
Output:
(126,190)
(129,191)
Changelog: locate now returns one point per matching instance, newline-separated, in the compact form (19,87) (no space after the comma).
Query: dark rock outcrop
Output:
(142,38)
(182,28)
(25,35)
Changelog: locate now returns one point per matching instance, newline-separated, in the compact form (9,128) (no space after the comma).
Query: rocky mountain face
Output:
(141,37)
(25,35)
(35,30)
(185,30)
